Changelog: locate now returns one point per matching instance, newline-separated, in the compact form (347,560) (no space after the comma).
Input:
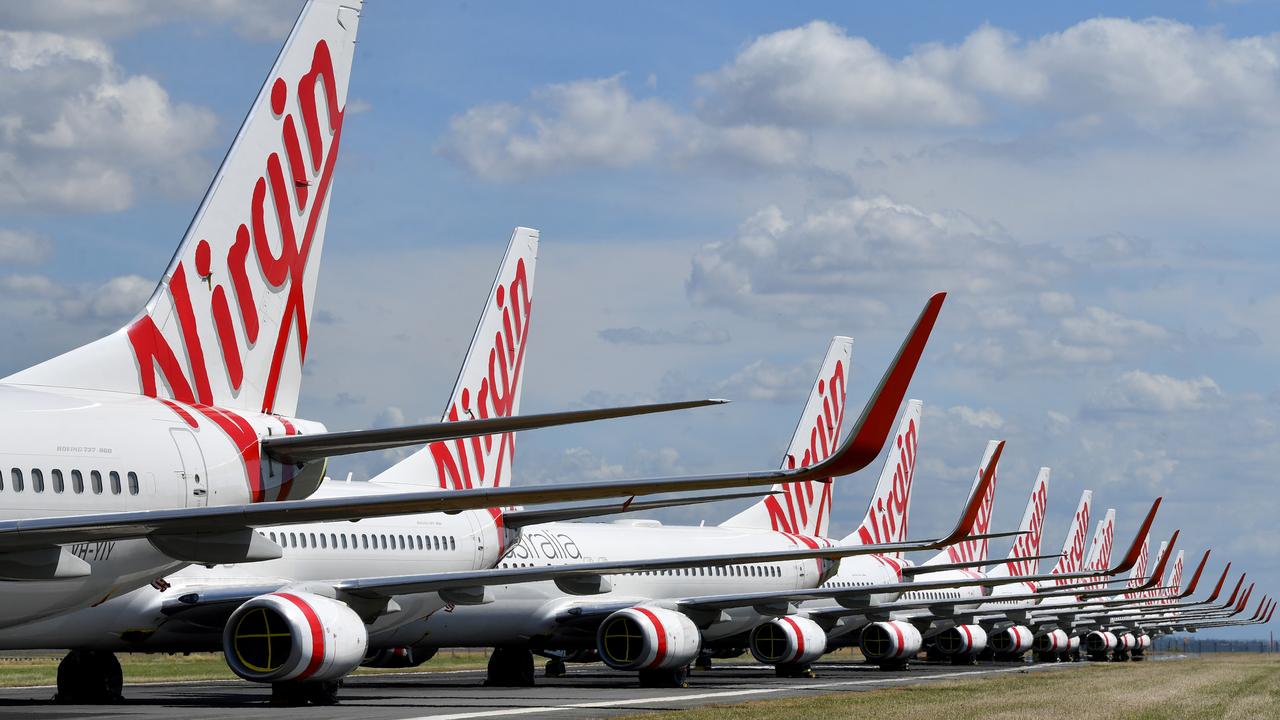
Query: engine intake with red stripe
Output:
(648,638)
(1054,641)
(961,640)
(294,636)
(1100,642)
(1012,641)
(890,641)
(788,641)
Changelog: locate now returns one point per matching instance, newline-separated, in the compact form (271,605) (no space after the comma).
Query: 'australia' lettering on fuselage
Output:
(544,545)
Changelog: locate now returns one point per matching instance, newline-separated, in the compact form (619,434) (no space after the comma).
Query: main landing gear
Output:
(295,694)
(89,677)
(794,671)
(675,678)
(510,667)
(555,668)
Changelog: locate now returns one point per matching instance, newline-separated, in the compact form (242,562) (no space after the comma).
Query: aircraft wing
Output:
(223,534)
(300,449)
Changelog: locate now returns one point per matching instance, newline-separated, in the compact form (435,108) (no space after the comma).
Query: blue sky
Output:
(728,185)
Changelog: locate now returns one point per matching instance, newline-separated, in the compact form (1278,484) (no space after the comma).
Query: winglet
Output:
(1244,600)
(874,425)
(972,508)
(1262,608)
(1131,557)
(1232,600)
(1218,588)
(1269,614)
(1195,577)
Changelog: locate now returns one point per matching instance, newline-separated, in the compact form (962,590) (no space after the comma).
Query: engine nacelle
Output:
(1054,641)
(648,638)
(1073,643)
(961,640)
(1101,641)
(788,641)
(1128,641)
(890,641)
(1144,642)
(294,636)
(1012,641)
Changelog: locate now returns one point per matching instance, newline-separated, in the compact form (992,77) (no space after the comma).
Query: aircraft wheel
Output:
(510,667)
(794,671)
(678,678)
(90,677)
(555,668)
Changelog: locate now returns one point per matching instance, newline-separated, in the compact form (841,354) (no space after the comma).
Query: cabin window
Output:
(272,536)
(95,479)
(452,544)
(37,480)
(77,482)
(115,482)
(133,482)
(313,540)
(343,537)
(58,484)
(324,542)
(418,541)
(402,542)
(16,476)
(364,541)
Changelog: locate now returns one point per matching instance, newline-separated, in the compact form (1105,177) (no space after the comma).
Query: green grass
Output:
(141,667)
(1239,686)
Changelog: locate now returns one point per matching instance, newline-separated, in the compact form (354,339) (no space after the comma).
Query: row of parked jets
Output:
(160,494)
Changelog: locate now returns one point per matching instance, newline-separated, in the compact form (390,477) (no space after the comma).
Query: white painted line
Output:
(709,695)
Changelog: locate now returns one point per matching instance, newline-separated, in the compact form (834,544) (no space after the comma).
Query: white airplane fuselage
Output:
(69,452)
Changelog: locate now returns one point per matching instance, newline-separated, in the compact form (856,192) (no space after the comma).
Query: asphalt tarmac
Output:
(589,691)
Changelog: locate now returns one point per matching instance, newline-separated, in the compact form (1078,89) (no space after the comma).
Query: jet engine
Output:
(1100,642)
(1052,644)
(648,638)
(294,636)
(890,643)
(961,641)
(788,641)
(1011,642)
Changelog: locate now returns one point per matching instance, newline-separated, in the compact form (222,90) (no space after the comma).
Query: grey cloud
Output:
(695,333)
(252,19)
(22,248)
(77,133)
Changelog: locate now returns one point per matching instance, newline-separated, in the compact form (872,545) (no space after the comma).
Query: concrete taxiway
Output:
(589,691)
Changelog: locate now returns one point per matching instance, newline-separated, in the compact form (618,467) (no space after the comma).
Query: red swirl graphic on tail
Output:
(807,505)
(887,520)
(473,462)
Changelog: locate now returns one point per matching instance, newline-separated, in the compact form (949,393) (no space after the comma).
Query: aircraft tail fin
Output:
(488,385)
(974,550)
(228,323)
(1028,545)
(890,506)
(805,507)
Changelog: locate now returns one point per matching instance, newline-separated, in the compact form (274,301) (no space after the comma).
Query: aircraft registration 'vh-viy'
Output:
(168,441)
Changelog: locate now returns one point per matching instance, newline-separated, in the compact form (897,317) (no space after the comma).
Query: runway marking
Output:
(711,695)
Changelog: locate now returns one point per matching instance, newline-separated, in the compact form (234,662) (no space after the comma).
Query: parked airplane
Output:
(209,608)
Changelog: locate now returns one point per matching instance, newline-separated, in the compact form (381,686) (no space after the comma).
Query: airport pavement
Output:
(589,691)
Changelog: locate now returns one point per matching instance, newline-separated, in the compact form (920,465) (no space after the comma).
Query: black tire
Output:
(510,667)
(555,668)
(90,677)
(677,678)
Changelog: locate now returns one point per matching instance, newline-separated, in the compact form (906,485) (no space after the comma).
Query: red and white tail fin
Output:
(1072,558)
(1137,575)
(489,385)
(890,506)
(1028,545)
(805,507)
(1099,557)
(974,550)
(228,322)
(1174,583)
